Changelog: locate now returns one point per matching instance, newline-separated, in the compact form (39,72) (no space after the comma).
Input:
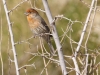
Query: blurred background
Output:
(74,10)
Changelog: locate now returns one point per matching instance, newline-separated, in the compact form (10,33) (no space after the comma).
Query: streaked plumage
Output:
(38,26)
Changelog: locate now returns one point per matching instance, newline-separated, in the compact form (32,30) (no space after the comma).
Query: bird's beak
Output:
(26,13)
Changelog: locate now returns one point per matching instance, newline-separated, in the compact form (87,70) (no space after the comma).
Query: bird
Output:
(39,27)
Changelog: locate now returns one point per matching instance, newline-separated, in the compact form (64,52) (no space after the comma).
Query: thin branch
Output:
(84,29)
(91,25)
(37,8)
(17,6)
(32,65)
(11,37)
(89,5)
(81,39)
(56,38)
(1,47)
(41,44)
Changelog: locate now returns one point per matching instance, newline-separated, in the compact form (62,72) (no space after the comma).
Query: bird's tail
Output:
(47,39)
(51,48)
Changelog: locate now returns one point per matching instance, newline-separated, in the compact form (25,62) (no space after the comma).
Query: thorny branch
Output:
(17,6)
(83,58)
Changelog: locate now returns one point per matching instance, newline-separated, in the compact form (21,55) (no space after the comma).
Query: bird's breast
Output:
(33,23)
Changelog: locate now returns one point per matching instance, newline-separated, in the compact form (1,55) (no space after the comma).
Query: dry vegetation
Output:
(31,60)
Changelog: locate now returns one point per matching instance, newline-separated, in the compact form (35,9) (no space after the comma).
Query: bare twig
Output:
(41,44)
(1,47)
(81,39)
(11,37)
(91,25)
(56,38)
(32,65)
(84,29)
(38,8)
(89,5)
(17,6)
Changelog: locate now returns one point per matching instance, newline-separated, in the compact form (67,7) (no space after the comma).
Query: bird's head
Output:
(31,11)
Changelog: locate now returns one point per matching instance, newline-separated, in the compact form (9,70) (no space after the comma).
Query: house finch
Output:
(38,26)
